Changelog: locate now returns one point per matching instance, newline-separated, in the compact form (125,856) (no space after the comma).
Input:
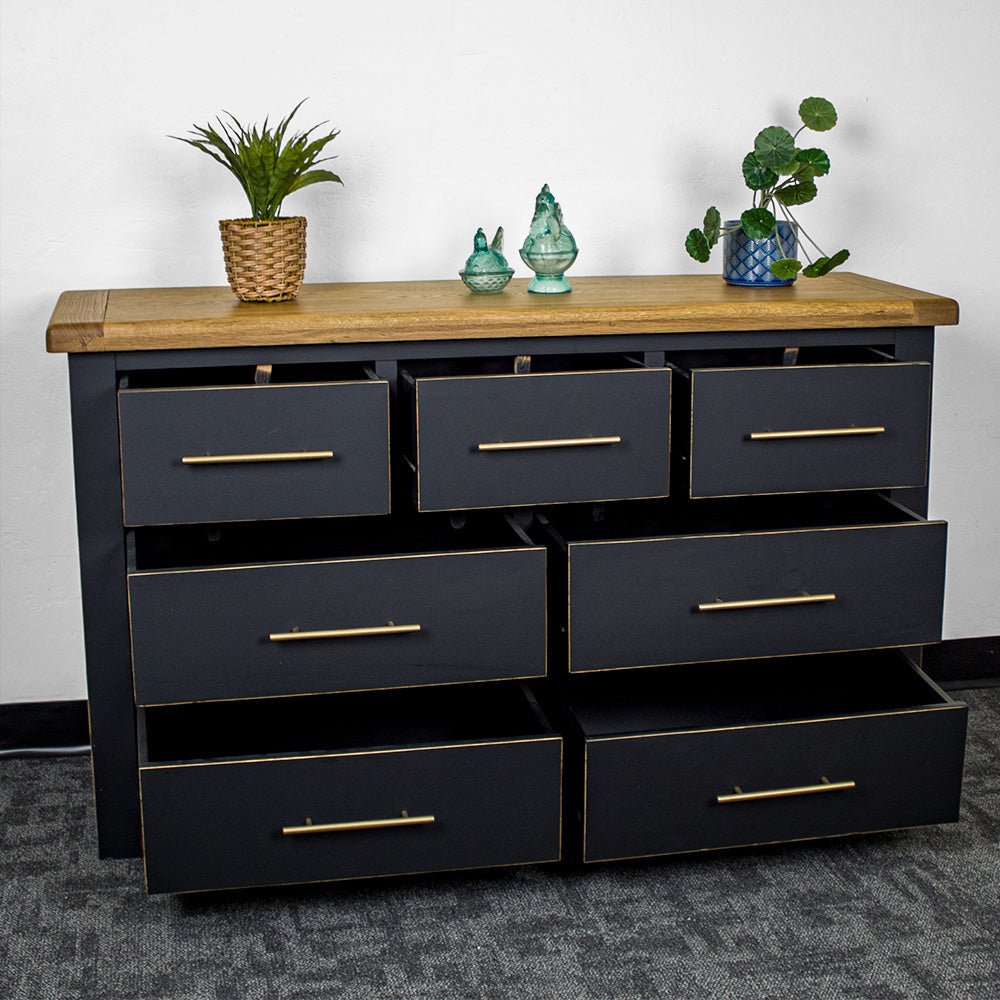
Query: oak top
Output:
(138,319)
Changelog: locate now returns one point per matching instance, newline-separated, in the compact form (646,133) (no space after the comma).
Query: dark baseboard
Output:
(63,726)
(958,663)
(44,727)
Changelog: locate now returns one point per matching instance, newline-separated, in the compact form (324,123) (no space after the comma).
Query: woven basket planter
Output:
(265,260)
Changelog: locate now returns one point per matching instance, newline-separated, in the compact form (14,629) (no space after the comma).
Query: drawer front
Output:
(202,635)
(498,441)
(221,825)
(801,429)
(252,452)
(819,778)
(717,597)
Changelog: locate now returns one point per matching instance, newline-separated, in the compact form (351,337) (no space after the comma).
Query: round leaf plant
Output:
(781,176)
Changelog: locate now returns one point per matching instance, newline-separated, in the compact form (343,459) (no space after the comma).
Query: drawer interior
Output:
(219,376)
(330,723)
(236,543)
(777,357)
(748,692)
(535,364)
(658,518)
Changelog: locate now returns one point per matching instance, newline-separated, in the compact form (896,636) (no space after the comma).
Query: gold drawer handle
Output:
(824,432)
(548,443)
(343,633)
(767,602)
(267,456)
(362,824)
(825,785)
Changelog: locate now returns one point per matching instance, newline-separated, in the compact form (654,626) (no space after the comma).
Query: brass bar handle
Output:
(343,633)
(363,824)
(825,785)
(548,443)
(767,602)
(821,432)
(266,456)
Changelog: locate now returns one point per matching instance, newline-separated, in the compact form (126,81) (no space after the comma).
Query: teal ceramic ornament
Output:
(549,248)
(487,270)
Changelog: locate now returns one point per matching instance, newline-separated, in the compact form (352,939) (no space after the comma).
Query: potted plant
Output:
(760,249)
(265,254)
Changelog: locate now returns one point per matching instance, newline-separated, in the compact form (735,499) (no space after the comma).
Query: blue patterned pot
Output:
(746,261)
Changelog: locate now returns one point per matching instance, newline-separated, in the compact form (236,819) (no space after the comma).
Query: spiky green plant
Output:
(780,175)
(268,167)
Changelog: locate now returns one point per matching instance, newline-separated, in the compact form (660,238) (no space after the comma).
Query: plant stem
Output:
(777,239)
(791,219)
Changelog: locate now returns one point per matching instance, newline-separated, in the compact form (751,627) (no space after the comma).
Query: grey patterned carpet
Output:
(907,915)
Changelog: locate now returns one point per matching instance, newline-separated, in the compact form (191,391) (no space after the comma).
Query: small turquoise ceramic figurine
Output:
(549,247)
(487,270)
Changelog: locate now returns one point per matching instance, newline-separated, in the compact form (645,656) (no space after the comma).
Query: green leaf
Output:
(796,194)
(774,147)
(792,166)
(758,177)
(815,159)
(818,114)
(257,179)
(785,268)
(826,264)
(697,246)
(757,223)
(711,226)
(267,167)
(313,177)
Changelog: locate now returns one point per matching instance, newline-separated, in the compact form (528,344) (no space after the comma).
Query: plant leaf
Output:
(697,246)
(267,166)
(818,114)
(826,264)
(758,177)
(796,194)
(758,223)
(711,226)
(785,268)
(313,177)
(774,147)
(815,159)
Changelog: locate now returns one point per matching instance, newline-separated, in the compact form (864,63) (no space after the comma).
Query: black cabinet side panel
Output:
(105,605)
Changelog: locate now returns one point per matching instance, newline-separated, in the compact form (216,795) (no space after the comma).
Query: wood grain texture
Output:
(171,318)
(77,322)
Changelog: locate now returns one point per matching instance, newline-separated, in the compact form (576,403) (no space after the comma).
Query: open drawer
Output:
(347,786)
(662,583)
(256,611)
(748,753)
(574,428)
(862,422)
(313,445)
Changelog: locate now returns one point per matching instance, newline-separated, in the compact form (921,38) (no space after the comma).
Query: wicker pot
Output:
(265,260)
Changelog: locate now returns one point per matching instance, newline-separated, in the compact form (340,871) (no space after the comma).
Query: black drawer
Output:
(811,427)
(516,440)
(402,783)
(743,754)
(444,607)
(841,575)
(232,453)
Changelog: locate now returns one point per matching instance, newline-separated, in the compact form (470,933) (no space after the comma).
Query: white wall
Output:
(453,114)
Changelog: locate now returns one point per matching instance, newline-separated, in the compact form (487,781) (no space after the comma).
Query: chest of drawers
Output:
(393,578)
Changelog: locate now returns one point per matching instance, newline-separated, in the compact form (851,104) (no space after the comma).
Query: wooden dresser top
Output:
(140,319)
